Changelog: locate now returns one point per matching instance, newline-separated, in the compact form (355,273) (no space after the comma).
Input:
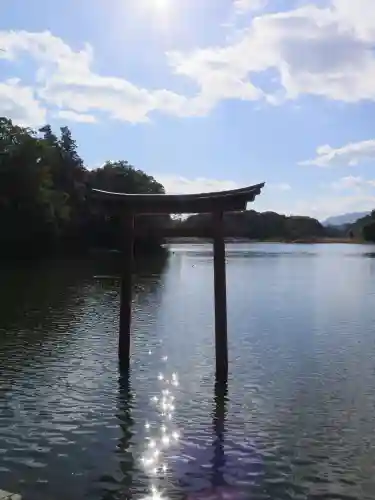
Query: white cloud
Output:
(317,51)
(348,194)
(242,6)
(175,184)
(310,50)
(349,182)
(279,186)
(18,102)
(324,207)
(320,207)
(118,98)
(351,154)
(354,183)
(76,117)
(356,15)
(65,79)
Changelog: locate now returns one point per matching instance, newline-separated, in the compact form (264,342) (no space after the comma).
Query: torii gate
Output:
(215,203)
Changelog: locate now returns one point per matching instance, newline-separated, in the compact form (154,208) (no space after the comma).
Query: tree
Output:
(44,187)
(369,232)
(28,201)
(260,226)
(122,177)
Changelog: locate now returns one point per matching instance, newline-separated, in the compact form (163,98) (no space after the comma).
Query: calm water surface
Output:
(298,419)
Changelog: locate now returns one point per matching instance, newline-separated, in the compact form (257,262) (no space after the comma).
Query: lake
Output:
(297,421)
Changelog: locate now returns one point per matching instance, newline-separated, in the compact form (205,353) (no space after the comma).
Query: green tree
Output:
(27,199)
(44,189)
(122,177)
(369,232)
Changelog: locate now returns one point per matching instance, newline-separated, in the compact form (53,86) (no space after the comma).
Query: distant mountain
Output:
(341,220)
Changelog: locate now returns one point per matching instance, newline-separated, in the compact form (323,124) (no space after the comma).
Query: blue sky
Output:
(206,94)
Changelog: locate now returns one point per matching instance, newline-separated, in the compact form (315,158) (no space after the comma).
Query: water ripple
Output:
(296,421)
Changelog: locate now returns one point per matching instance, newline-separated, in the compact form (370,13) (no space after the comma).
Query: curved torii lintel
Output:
(230,200)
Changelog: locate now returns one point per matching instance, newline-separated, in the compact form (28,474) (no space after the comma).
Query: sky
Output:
(206,94)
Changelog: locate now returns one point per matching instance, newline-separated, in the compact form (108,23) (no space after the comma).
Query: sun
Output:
(161,4)
(162,11)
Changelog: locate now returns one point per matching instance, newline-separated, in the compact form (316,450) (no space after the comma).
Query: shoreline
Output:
(309,241)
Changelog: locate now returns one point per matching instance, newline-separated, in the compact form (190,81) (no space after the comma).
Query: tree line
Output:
(363,228)
(271,226)
(261,226)
(46,203)
(45,195)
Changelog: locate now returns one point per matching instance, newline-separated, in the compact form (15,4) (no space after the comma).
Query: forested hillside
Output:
(363,228)
(263,226)
(45,202)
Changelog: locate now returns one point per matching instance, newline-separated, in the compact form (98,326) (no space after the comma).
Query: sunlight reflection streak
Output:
(164,434)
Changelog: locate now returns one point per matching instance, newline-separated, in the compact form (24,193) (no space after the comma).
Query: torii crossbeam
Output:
(215,203)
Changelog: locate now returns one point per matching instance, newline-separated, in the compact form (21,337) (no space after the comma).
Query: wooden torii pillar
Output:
(216,203)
